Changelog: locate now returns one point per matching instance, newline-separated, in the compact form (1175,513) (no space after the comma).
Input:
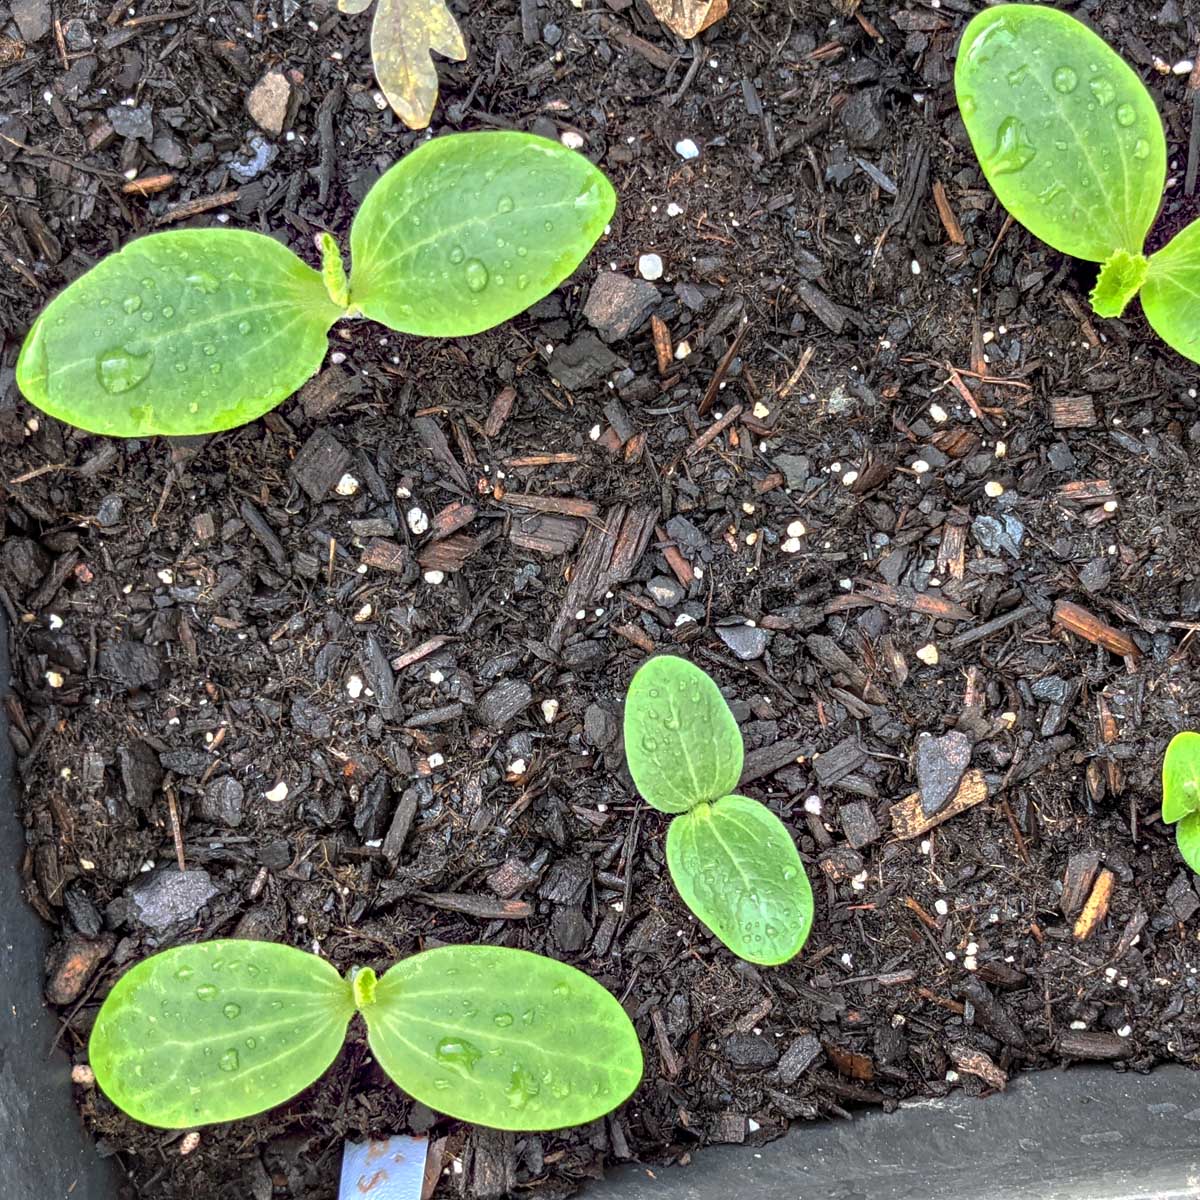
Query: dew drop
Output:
(131,304)
(184,973)
(503,1020)
(202,281)
(243,327)
(1014,151)
(528,1017)
(441,1084)
(276,1004)
(1015,77)
(522,1088)
(1066,80)
(229,1061)
(168,312)
(649,744)
(206,991)
(251,1043)
(1125,115)
(232,1011)
(522,252)
(477,275)
(122,368)
(522,282)
(561,990)
(209,349)
(548,226)
(457,254)
(1102,89)
(456,1052)
(215,369)
(968,105)
(1141,148)
(180,368)
(505,205)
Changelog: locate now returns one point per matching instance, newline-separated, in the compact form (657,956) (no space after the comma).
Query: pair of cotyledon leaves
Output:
(1072,144)
(196,331)
(731,859)
(1181,795)
(225,1029)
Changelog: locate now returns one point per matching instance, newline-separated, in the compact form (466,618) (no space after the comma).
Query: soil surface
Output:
(364,660)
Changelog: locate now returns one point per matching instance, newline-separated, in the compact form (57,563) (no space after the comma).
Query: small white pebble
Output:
(938,413)
(683,350)
(594,433)
(650,267)
(1110,506)
(920,467)
(687,149)
(581,614)
(859,882)
(54,679)
(188,1143)
(418,521)
(796,529)
(517,767)
(363,614)
(673,210)
(571,139)
(951,956)
(915,267)
(791,546)
(684,619)
(926,846)
(812,804)
(951,1076)
(1183,67)
(970,963)
(761,411)
(993,489)
(434,577)
(278,794)
(436,677)
(549,710)
(1001,449)
(166,576)
(436,760)
(928,654)
(941,908)
(849,478)
(752,1125)
(847,960)
(83,1075)
(354,687)
(55,621)
(1078,1025)
(1125,1031)
(347,485)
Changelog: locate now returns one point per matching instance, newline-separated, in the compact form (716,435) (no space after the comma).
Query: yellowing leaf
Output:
(688,17)
(402,37)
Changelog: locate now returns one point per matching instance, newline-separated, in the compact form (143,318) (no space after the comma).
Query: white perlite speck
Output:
(687,149)
(278,794)
(928,654)
(418,520)
(347,485)
(650,267)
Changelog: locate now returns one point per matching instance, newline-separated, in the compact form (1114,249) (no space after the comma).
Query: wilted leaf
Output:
(688,17)
(402,37)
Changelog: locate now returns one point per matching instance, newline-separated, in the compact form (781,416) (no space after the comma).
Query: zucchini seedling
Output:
(1071,143)
(226,1029)
(1181,795)
(731,859)
(199,330)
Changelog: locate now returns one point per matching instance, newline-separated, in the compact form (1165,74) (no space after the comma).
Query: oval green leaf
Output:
(471,229)
(218,1031)
(503,1038)
(738,870)
(186,332)
(1187,838)
(1171,293)
(681,741)
(1181,777)
(1065,132)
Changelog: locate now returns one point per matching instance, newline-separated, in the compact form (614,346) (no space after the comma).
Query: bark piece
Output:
(909,819)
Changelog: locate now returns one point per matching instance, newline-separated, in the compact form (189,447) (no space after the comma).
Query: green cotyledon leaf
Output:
(1171,293)
(1181,777)
(681,741)
(737,868)
(1187,838)
(471,229)
(186,332)
(1064,130)
(502,1037)
(217,1031)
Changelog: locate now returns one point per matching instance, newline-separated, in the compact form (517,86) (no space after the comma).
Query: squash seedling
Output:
(731,859)
(1072,144)
(226,1029)
(1181,795)
(198,330)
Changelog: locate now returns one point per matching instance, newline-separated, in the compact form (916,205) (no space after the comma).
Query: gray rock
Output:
(170,896)
(141,773)
(796,469)
(665,591)
(862,120)
(221,802)
(618,305)
(504,702)
(941,764)
(747,1050)
(583,363)
(268,102)
(76,35)
(995,535)
(131,664)
(136,123)
(32,18)
(599,726)
(109,510)
(797,1058)
(262,155)
(681,530)
(746,641)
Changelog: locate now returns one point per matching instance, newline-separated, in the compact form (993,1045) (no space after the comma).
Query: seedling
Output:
(226,1029)
(1181,795)
(1072,145)
(731,859)
(199,330)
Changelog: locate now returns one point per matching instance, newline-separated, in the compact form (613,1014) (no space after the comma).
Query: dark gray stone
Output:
(858,824)
(322,461)
(996,535)
(665,591)
(750,1050)
(746,641)
(583,363)
(135,123)
(169,896)
(599,726)
(796,469)
(32,18)
(131,664)
(618,305)
(797,1058)
(221,802)
(141,773)
(862,120)
(504,702)
(941,764)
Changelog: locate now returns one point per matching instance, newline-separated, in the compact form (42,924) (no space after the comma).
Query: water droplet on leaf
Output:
(506,204)
(477,275)
(206,991)
(131,304)
(503,1019)
(202,281)
(458,1053)
(232,1011)
(122,368)
(1102,89)
(1066,80)
(457,254)
(1141,148)
(1125,115)
(229,1061)
(184,973)
(1014,151)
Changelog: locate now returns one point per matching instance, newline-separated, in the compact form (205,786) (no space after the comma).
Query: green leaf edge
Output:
(1182,751)
(1160,273)
(638,759)
(1187,840)
(1120,279)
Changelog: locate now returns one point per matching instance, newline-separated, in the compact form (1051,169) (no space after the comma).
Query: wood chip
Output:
(450,553)
(680,567)
(417,653)
(1072,412)
(452,518)
(563,505)
(1077,881)
(1093,1047)
(975,1062)
(951,552)
(546,533)
(1086,492)
(385,555)
(909,820)
(946,214)
(911,601)
(202,204)
(502,406)
(664,352)
(484,908)
(688,17)
(1096,908)
(1077,620)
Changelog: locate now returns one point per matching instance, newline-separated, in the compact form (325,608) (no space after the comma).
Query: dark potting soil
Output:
(369,653)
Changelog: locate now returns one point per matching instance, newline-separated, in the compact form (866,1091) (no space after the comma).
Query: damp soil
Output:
(856,453)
